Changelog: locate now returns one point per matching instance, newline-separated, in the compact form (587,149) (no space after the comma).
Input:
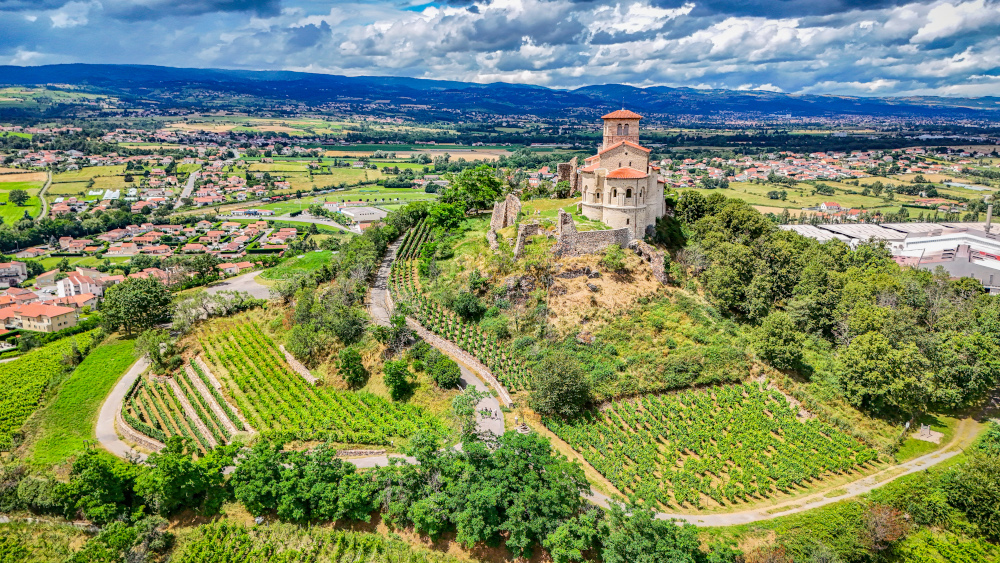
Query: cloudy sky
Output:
(857,47)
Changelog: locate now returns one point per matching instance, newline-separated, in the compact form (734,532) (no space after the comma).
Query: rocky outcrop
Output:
(656,258)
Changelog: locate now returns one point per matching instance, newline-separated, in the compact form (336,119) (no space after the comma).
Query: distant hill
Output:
(142,82)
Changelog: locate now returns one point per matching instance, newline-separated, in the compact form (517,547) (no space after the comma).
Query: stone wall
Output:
(657,260)
(505,212)
(571,242)
(491,237)
(523,232)
(134,436)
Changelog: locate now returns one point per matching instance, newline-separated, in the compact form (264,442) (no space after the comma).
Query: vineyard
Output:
(733,444)
(404,284)
(234,543)
(279,403)
(23,381)
(152,407)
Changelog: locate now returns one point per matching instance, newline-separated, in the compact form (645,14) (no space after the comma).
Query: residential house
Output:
(229,268)
(123,249)
(12,273)
(78,284)
(47,279)
(76,301)
(40,317)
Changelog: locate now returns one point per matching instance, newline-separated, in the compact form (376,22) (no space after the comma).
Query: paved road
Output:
(310,219)
(380,315)
(188,188)
(246,282)
(107,436)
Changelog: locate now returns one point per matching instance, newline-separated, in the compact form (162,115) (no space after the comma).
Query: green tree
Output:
(573,537)
(18,197)
(633,535)
(559,385)
(474,188)
(174,480)
(136,304)
(100,487)
(448,216)
(351,368)
(778,342)
(397,378)
(884,377)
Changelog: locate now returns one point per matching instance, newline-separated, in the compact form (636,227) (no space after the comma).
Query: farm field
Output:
(88,172)
(15,175)
(65,424)
(279,402)
(52,262)
(719,446)
(23,381)
(801,196)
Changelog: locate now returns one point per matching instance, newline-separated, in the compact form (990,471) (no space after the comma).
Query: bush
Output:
(397,379)
(468,306)
(351,368)
(613,259)
(446,373)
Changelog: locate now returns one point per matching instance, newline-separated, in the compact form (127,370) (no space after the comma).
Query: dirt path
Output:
(381,303)
(41,196)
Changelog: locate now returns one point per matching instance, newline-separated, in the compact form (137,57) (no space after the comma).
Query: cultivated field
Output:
(718,446)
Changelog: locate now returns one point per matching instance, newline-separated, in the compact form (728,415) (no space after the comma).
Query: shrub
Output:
(351,368)
(397,379)
(446,373)
(559,385)
(613,259)
(468,306)
(779,342)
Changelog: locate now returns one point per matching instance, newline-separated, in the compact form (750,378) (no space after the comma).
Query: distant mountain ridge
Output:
(145,81)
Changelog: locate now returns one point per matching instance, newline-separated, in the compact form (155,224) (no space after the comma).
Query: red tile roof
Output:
(629,173)
(41,309)
(620,143)
(622,114)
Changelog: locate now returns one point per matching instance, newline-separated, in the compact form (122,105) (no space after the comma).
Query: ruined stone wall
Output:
(491,237)
(657,259)
(523,232)
(505,212)
(571,242)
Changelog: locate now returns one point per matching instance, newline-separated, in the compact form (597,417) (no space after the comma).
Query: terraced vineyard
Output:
(280,404)
(731,444)
(152,407)
(23,381)
(405,287)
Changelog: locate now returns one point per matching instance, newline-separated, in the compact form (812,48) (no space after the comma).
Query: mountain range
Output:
(156,83)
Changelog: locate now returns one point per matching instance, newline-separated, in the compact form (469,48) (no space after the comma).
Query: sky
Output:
(850,47)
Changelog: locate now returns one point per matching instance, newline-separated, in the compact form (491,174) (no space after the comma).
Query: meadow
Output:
(297,265)
(10,213)
(65,424)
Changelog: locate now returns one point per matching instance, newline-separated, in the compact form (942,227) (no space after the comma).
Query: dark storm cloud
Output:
(306,36)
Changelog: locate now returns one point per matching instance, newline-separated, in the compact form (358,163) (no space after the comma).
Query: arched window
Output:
(627,220)
(628,193)
(626,128)
(614,193)
(619,128)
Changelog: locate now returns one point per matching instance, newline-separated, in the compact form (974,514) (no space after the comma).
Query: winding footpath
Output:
(380,306)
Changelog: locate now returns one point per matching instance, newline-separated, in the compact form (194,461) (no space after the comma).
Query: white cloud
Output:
(72,14)
(946,20)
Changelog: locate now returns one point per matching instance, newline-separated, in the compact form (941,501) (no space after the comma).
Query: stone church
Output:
(618,184)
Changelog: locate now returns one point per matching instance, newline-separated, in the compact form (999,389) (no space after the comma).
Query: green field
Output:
(302,264)
(23,381)
(10,213)
(64,425)
(88,172)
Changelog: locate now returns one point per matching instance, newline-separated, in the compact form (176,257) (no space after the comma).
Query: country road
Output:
(106,433)
(41,196)
(188,188)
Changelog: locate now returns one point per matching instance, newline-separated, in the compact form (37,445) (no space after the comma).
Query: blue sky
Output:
(855,47)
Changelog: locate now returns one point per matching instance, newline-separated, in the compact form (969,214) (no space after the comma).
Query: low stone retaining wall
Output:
(359,453)
(134,436)
(297,366)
